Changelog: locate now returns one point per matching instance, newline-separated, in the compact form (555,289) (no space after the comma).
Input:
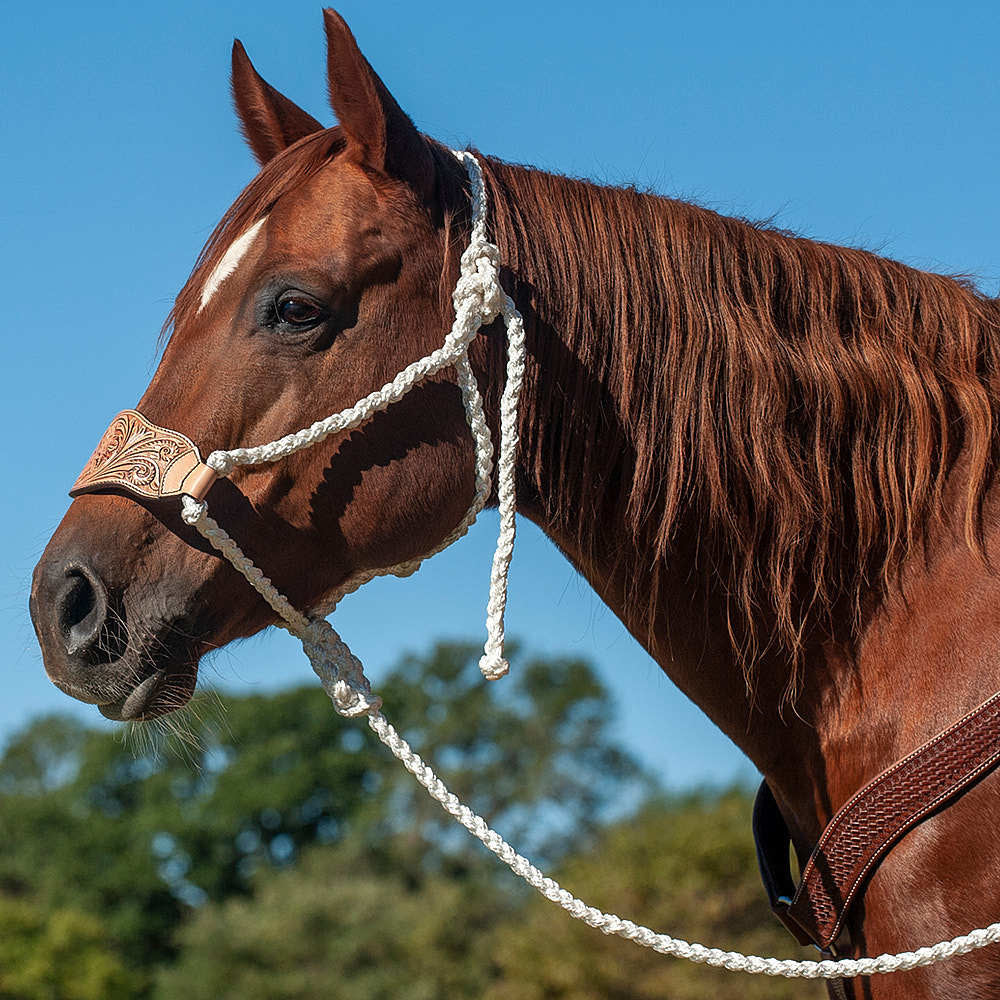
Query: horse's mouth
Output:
(160,693)
(133,687)
(136,704)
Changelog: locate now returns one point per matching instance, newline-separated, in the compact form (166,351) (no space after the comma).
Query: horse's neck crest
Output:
(145,460)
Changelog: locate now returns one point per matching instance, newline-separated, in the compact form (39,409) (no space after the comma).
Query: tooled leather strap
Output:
(148,461)
(869,824)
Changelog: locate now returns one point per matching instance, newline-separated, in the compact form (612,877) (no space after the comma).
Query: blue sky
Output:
(870,124)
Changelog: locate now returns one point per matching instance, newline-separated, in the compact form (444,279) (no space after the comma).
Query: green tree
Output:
(343,924)
(66,847)
(536,745)
(61,954)
(143,840)
(347,925)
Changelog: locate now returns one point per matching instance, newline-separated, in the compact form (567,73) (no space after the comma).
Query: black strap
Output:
(773,843)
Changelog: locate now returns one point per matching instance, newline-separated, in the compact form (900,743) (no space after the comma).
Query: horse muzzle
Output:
(111,637)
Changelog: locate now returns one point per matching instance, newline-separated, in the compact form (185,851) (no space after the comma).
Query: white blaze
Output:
(230,261)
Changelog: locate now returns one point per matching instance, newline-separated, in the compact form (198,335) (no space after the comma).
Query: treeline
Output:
(275,850)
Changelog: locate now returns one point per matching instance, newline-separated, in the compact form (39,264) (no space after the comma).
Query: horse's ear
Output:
(269,120)
(379,134)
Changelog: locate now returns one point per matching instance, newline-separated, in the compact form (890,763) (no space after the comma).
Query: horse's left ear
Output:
(379,133)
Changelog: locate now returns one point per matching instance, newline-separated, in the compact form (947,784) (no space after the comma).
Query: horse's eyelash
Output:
(267,315)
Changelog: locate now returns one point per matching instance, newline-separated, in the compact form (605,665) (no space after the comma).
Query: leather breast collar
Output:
(867,827)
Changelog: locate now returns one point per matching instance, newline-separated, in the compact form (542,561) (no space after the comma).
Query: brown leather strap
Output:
(869,824)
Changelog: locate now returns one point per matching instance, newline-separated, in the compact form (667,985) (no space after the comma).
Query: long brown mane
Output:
(796,405)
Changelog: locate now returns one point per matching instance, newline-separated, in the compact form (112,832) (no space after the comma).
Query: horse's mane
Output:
(796,405)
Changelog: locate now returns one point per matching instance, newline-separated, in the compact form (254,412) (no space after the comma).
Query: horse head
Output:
(330,273)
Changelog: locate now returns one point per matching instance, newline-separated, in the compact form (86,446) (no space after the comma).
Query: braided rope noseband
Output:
(151,461)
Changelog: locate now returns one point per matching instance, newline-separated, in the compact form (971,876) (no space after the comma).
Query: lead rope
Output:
(480,299)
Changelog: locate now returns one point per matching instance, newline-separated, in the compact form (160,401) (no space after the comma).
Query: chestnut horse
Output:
(772,458)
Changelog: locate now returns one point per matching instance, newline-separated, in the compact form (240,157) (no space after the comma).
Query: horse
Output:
(773,458)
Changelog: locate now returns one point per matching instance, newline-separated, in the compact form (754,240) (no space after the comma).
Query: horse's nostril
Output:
(82,608)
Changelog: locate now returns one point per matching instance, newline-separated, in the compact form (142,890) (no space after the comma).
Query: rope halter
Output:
(155,462)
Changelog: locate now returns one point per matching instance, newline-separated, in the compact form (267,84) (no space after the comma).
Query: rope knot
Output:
(404,570)
(479,283)
(339,670)
(494,666)
(192,511)
(220,462)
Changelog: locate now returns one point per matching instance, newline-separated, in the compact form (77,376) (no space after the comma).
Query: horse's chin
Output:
(162,689)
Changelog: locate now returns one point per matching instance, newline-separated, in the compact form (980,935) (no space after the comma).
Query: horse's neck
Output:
(662,599)
(850,703)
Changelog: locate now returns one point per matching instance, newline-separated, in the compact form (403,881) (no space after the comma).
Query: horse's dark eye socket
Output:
(296,309)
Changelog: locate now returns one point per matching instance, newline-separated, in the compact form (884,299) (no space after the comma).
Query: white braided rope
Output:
(609,923)
(493,663)
(479,299)
(343,676)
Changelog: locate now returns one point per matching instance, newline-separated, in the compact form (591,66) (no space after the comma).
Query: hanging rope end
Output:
(494,666)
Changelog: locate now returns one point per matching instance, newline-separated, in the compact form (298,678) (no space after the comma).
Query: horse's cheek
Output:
(401,510)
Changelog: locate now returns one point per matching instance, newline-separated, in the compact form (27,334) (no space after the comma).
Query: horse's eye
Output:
(297,309)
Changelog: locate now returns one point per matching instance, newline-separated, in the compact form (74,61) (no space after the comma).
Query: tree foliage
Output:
(350,927)
(360,931)
(144,839)
(59,953)
(684,866)
(285,853)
